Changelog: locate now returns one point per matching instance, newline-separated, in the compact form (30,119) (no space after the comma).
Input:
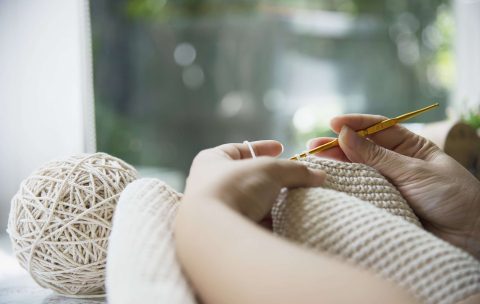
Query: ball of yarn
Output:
(60,221)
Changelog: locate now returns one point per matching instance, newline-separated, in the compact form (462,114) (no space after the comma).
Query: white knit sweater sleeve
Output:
(141,262)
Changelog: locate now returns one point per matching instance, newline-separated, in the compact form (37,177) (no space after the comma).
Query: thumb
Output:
(360,150)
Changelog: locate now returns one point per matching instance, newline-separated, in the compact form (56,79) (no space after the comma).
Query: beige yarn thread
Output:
(60,221)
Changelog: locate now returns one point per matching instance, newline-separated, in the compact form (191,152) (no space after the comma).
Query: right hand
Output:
(444,195)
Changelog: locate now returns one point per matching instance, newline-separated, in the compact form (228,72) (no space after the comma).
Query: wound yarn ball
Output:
(61,218)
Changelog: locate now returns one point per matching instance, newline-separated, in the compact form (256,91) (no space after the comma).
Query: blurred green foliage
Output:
(147,116)
(167,9)
(472,118)
(174,8)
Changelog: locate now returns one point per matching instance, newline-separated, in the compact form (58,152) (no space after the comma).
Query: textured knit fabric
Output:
(357,216)
(365,183)
(141,262)
(378,232)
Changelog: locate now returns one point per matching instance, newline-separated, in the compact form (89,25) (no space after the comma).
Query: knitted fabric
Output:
(357,216)
(372,226)
(141,262)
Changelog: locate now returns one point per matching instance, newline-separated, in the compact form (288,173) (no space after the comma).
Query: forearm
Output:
(231,260)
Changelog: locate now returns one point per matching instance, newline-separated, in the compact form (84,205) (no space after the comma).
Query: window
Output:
(174,77)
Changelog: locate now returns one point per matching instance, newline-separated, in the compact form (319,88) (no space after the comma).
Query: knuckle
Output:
(425,148)
(201,155)
(375,155)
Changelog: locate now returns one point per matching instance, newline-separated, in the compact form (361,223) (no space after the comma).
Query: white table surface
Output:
(17,287)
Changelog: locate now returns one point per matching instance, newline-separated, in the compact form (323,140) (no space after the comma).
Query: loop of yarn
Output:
(60,221)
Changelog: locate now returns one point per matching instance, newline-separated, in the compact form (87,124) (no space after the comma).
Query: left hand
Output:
(444,195)
(227,174)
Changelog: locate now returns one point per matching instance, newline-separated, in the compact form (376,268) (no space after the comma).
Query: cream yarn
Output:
(60,221)
(141,264)
(372,226)
(365,183)
(357,216)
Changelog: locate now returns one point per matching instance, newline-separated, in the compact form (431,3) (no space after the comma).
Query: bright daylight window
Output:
(174,76)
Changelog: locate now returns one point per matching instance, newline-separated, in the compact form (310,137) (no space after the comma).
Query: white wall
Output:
(46,100)
(467,44)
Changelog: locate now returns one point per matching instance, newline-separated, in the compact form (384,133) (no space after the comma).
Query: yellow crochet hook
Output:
(387,123)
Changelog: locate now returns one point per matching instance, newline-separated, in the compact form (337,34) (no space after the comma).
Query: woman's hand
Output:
(229,175)
(442,193)
(230,259)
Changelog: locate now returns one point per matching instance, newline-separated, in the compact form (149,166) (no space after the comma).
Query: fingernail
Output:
(350,138)
(309,143)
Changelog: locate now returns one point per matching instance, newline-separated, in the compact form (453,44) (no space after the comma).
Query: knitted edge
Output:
(141,262)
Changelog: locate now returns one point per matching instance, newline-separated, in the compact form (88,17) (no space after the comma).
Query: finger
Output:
(334,153)
(293,174)
(362,150)
(355,121)
(261,148)
(396,138)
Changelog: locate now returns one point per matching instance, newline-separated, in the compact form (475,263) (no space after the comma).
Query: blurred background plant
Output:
(472,118)
(175,76)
